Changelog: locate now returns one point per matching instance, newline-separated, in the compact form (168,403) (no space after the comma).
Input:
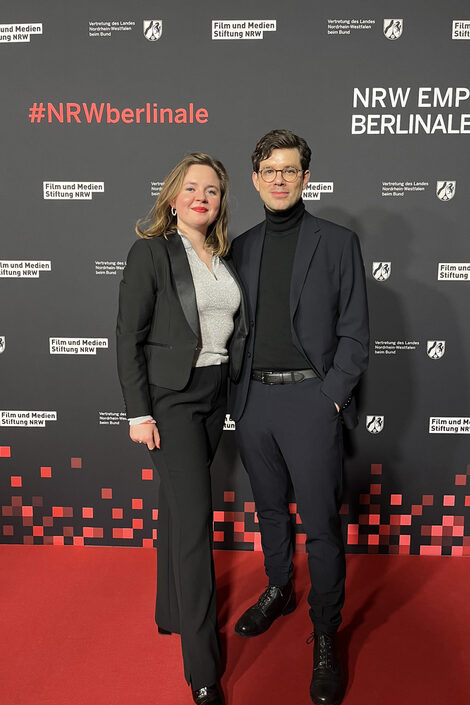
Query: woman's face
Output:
(197,204)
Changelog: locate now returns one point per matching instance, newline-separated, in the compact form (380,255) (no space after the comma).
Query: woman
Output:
(181,318)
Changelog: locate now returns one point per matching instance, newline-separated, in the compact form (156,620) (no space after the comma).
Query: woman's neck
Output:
(197,238)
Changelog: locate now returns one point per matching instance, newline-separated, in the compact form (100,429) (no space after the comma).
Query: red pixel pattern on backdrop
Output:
(383,524)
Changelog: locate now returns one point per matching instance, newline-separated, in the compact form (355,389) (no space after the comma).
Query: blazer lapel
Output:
(256,241)
(183,281)
(309,237)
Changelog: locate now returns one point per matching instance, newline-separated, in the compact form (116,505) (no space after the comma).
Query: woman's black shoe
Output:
(209,695)
(163,631)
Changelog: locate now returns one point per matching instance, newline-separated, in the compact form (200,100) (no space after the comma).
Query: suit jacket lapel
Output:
(256,241)
(309,237)
(183,281)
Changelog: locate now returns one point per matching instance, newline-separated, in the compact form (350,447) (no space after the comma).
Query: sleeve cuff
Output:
(140,419)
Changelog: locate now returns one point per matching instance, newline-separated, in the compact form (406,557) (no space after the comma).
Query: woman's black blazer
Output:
(158,324)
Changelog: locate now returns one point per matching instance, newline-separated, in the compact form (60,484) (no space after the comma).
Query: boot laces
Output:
(325,655)
(266,597)
(324,644)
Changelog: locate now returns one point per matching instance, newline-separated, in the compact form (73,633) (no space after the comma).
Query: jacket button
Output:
(249,354)
(252,323)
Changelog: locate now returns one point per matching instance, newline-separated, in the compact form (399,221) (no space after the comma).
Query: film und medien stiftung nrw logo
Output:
(393,29)
(82,190)
(436,349)
(3,343)
(445,190)
(314,189)
(76,346)
(381,270)
(26,418)
(242,29)
(375,424)
(19,32)
(461,29)
(449,424)
(152,30)
(24,268)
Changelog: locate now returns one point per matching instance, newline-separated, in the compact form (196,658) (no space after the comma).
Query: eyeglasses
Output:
(289,173)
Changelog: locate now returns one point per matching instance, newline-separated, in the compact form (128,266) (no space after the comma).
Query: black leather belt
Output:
(285,377)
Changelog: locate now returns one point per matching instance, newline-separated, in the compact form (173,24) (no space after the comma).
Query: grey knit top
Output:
(218,299)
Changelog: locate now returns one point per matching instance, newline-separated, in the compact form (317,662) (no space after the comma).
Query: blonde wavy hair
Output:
(160,220)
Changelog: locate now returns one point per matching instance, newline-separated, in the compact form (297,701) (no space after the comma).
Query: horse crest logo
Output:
(375,424)
(153,30)
(381,270)
(393,29)
(445,190)
(436,349)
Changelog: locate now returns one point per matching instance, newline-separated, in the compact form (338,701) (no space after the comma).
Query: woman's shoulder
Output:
(145,246)
(148,254)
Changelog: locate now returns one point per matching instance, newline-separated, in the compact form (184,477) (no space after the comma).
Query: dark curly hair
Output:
(281,139)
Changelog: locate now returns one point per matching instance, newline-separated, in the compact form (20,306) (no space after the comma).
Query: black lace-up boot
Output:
(272,603)
(326,687)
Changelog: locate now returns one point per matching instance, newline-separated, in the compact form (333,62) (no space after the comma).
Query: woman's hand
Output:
(145,433)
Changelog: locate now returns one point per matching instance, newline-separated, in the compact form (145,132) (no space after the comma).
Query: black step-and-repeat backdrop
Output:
(100,100)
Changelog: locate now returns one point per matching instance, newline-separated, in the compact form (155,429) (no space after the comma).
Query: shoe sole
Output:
(335,702)
(332,702)
(338,701)
(164,632)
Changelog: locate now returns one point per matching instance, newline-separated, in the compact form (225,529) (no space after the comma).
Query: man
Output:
(308,346)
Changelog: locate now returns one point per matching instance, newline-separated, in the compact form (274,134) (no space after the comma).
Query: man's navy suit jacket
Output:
(328,308)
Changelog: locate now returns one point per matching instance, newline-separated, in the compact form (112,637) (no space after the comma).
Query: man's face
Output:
(279,194)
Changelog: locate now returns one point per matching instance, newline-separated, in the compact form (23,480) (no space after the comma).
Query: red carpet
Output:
(77,629)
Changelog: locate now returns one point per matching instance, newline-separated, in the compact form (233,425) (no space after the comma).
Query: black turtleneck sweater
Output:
(274,349)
